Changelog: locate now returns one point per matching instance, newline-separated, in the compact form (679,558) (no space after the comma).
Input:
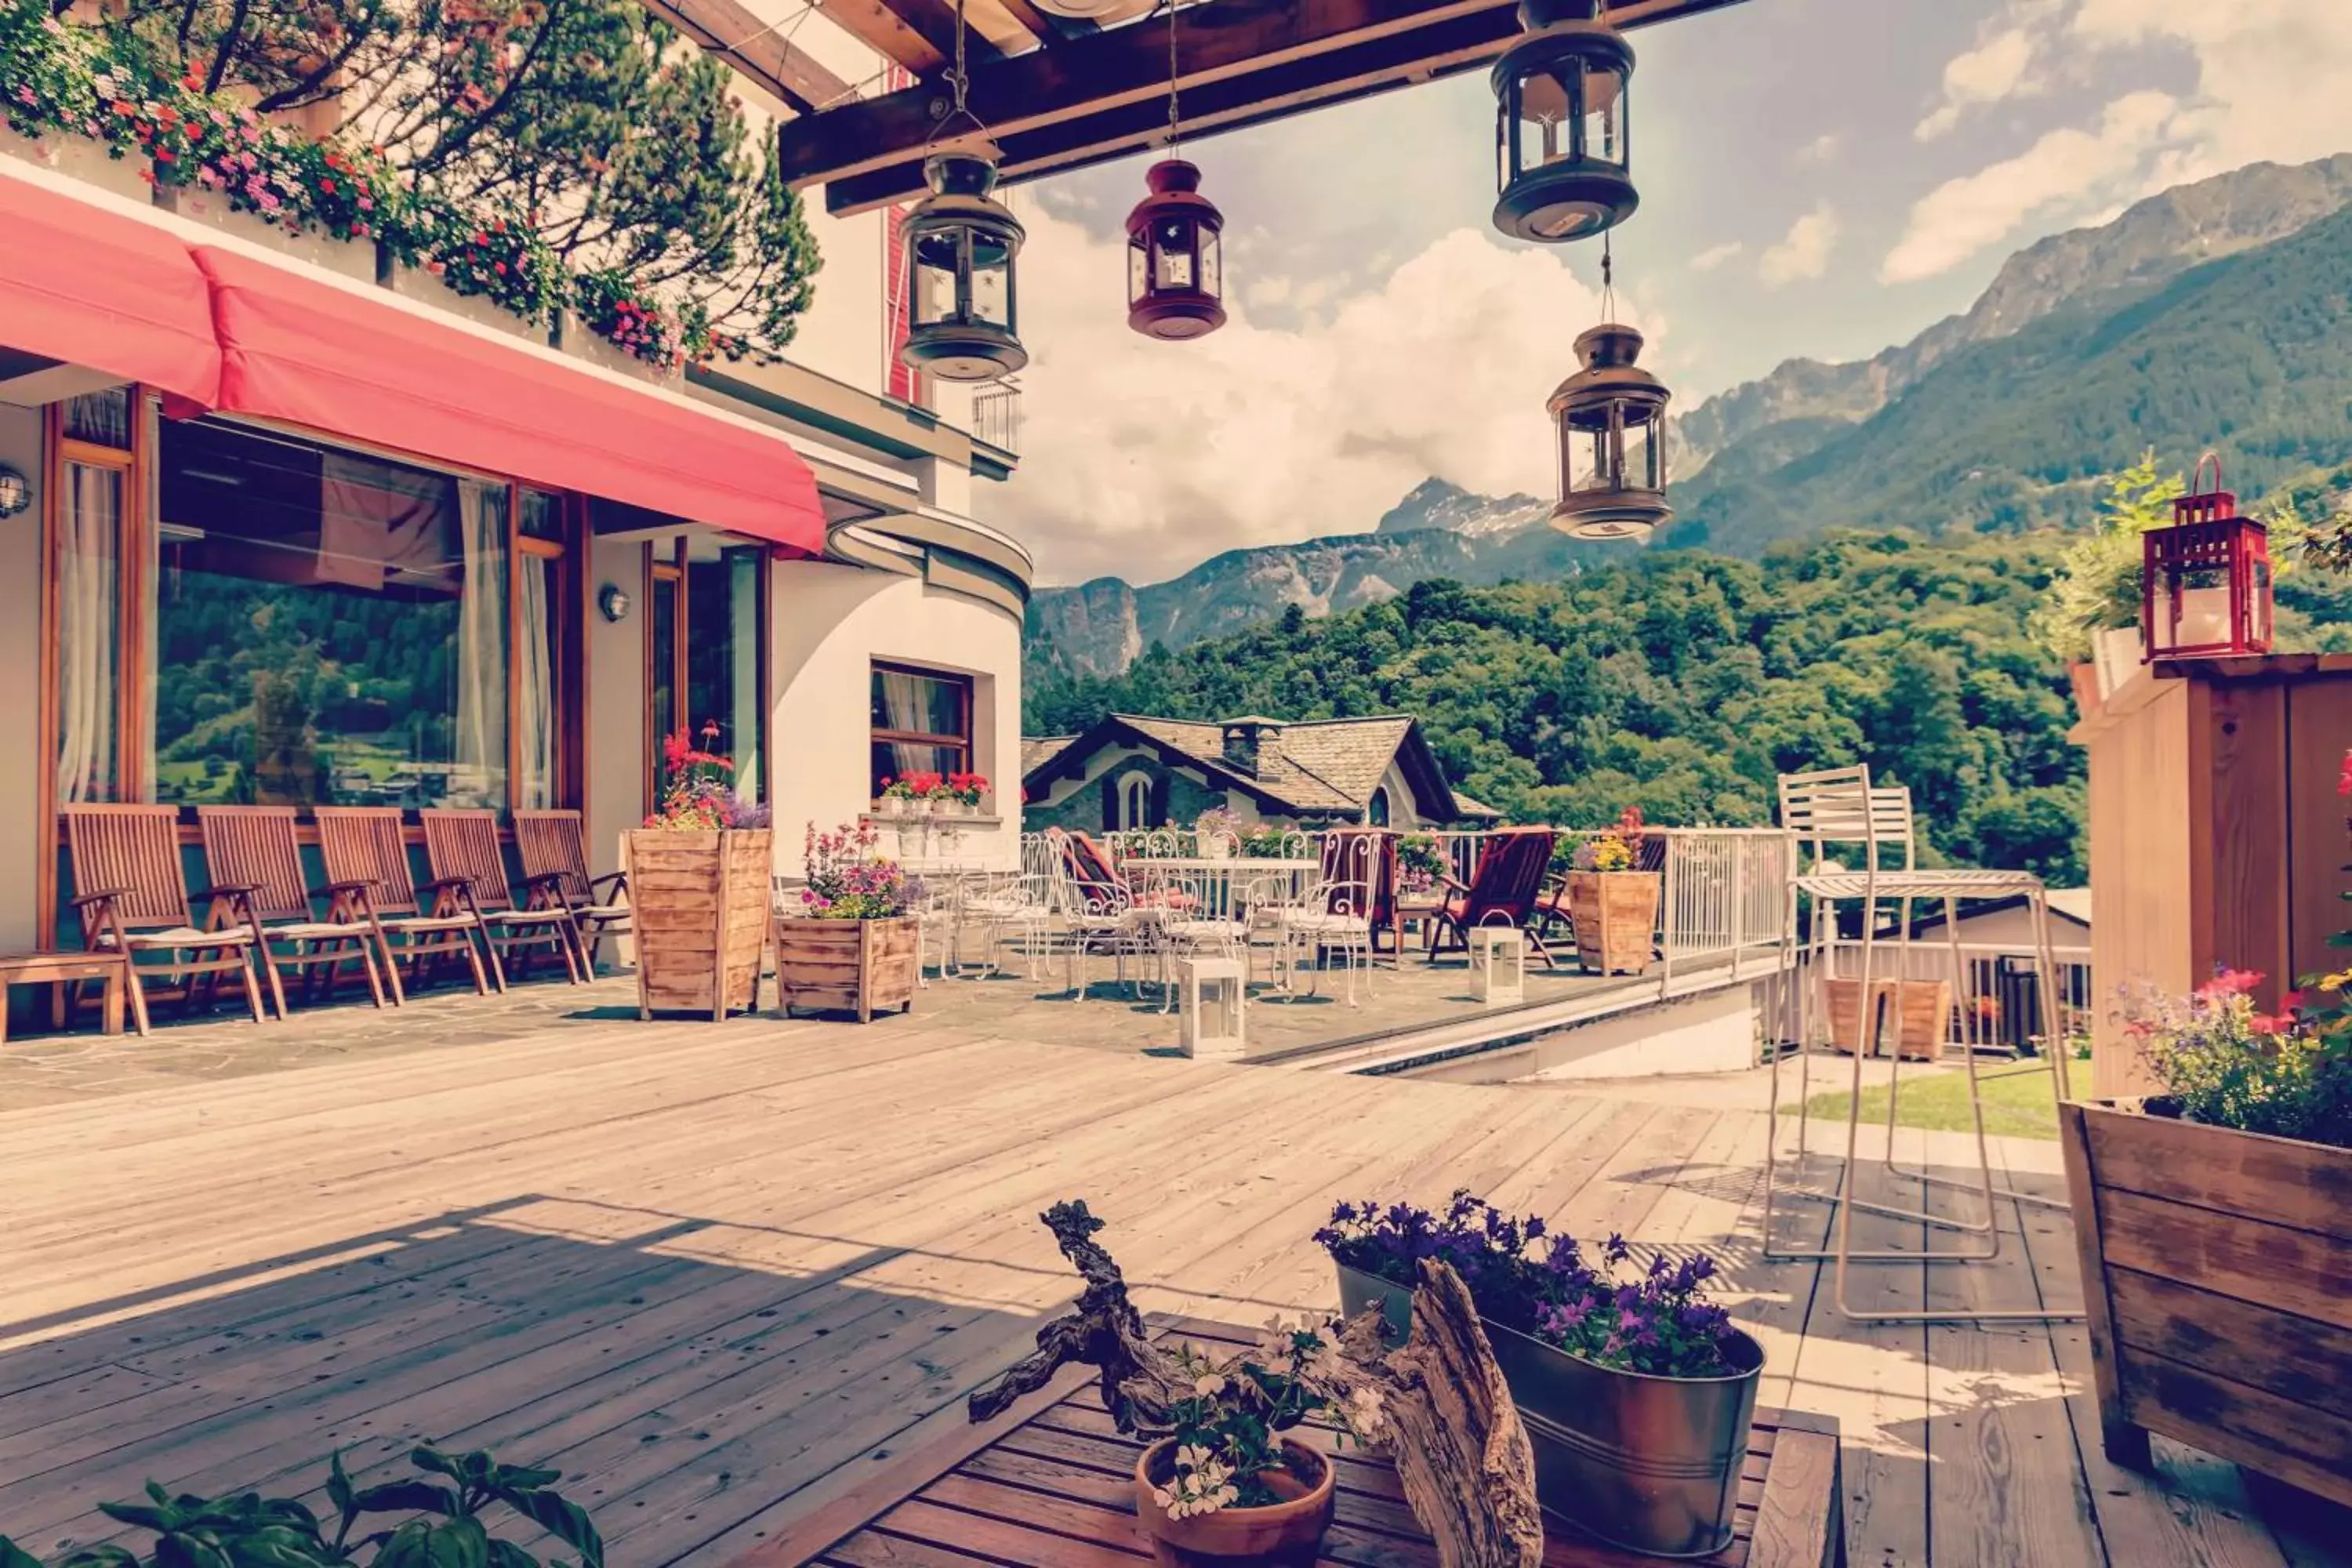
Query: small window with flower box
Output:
(922,723)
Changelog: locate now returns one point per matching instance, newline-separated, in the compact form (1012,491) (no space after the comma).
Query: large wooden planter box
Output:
(2217,1270)
(699,903)
(1615,914)
(849,966)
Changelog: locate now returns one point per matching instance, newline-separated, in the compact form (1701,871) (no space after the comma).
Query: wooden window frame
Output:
(967,743)
(669,575)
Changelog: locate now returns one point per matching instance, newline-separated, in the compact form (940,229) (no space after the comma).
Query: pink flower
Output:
(2229,983)
(2344,779)
(2271,1023)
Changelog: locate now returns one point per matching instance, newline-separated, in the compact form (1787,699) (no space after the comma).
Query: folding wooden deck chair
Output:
(553,843)
(254,846)
(462,845)
(133,897)
(362,849)
(1503,891)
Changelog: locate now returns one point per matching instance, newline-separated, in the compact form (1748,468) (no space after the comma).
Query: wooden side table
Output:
(59,969)
(1050,1484)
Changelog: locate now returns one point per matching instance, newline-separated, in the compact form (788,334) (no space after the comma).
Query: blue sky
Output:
(1819,178)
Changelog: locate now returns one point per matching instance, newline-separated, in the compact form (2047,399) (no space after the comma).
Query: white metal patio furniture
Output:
(1840,809)
(1096,917)
(1333,915)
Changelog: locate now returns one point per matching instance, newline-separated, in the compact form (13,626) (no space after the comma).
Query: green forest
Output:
(1682,681)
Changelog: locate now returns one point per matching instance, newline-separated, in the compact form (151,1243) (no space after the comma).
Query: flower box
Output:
(2216,1274)
(849,966)
(582,342)
(351,258)
(420,284)
(81,158)
(1615,914)
(699,905)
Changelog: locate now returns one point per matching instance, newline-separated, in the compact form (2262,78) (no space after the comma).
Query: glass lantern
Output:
(1175,279)
(960,244)
(2205,582)
(1610,421)
(1563,140)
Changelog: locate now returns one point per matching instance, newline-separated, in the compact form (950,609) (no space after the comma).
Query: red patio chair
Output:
(1504,891)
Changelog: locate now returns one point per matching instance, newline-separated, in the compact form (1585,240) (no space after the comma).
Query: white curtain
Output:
(535,716)
(479,751)
(903,708)
(89,556)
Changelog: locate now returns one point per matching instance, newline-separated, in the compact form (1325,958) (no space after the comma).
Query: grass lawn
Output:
(2018,1102)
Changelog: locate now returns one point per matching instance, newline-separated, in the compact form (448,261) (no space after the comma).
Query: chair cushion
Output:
(311,931)
(410,925)
(176,937)
(526,917)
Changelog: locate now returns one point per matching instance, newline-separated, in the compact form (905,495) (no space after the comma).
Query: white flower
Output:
(1208,1385)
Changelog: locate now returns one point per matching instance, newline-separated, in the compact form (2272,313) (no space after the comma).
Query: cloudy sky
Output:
(1818,178)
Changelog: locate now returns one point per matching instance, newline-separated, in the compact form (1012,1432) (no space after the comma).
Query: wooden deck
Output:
(718,1273)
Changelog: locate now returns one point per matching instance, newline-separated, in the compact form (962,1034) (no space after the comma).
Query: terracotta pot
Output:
(1289,1532)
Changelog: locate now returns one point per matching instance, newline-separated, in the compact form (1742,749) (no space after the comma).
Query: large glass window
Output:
(922,723)
(725,651)
(331,628)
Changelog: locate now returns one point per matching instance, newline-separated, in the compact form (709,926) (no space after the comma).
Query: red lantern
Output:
(2205,582)
(1175,286)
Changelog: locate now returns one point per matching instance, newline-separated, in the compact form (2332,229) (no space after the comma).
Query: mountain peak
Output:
(1443,504)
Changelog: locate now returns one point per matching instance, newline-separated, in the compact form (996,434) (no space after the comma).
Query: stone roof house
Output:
(1132,771)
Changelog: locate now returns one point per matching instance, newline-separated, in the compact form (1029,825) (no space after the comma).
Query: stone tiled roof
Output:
(1327,765)
(1037,751)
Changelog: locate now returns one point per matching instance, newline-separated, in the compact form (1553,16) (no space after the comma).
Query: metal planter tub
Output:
(1649,1464)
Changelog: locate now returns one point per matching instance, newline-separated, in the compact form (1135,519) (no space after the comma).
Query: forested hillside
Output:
(1682,681)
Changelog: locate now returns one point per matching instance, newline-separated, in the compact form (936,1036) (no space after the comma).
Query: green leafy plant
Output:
(410,1523)
(1420,861)
(1228,1431)
(609,304)
(2222,1062)
(2097,586)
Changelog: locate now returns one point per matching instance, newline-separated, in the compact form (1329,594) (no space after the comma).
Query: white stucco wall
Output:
(831,623)
(20,714)
(617,759)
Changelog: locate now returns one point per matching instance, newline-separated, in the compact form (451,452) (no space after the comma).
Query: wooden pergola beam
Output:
(724,29)
(1083,100)
(918,34)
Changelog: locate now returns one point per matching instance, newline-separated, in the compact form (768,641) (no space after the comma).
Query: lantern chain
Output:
(1608,283)
(1172,123)
(958,80)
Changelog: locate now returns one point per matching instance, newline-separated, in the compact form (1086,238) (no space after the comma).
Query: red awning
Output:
(91,287)
(297,349)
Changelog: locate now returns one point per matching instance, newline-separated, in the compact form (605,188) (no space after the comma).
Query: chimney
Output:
(1254,747)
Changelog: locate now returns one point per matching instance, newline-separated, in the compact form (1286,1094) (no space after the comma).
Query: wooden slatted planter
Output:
(2217,1268)
(701,905)
(850,966)
(1616,917)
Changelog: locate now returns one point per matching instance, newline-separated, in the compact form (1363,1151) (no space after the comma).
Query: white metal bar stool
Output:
(1840,809)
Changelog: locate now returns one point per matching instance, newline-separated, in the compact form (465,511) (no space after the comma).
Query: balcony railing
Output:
(996,417)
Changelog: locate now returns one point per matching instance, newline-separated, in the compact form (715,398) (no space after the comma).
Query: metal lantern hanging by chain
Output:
(1563,140)
(1175,282)
(1610,421)
(959,244)
(1175,272)
(2205,582)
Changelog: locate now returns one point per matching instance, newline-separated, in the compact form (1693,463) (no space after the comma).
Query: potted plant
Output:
(2091,618)
(1420,862)
(1613,906)
(899,795)
(699,888)
(2214,1225)
(853,944)
(1216,832)
(438,1518)
(964,793)
(1637,1393)
(1224,1485)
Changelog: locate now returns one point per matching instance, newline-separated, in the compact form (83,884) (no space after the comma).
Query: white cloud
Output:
(1997,69)
(2270,74)
(1805,252)
(1143,457)
(2072,168)
(1821,148)
(1715,256)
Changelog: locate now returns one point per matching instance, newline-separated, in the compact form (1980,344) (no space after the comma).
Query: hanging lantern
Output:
(960,245)
(2205,582)
(1562,147)
(1611,419)
(1175,281)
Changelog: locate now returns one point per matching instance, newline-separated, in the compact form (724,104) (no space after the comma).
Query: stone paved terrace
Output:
(717,1273)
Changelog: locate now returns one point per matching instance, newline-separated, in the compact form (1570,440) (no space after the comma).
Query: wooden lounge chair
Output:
(254,846)
(133,897)
(552,843)
(462,845)
(1503,891)
(363,847)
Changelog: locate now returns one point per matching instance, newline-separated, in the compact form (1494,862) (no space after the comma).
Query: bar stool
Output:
(1841,809)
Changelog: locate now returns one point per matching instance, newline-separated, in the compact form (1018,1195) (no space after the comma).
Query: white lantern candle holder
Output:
(1214,996)
(1498,963)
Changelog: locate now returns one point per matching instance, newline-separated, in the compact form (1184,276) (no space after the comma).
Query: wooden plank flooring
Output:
(716,1273)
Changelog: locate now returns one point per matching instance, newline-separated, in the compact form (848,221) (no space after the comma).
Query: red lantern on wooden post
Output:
(2205,582)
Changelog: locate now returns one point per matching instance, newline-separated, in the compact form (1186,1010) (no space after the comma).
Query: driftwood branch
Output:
(1461,1457)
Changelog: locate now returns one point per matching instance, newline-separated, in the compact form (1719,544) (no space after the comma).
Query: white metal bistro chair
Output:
(1096,918)
(1839,810)
(1189,913)
(1334,915)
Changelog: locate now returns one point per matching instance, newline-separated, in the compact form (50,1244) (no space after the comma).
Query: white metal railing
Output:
(996,417)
